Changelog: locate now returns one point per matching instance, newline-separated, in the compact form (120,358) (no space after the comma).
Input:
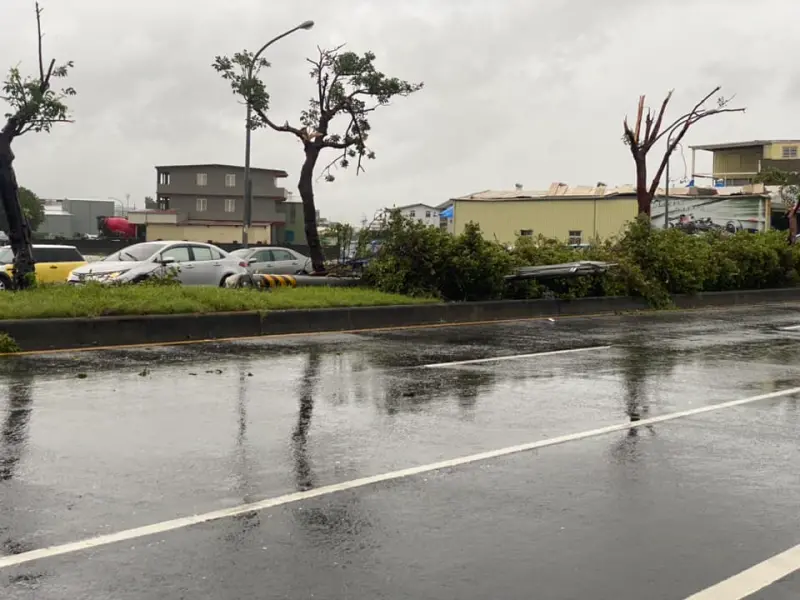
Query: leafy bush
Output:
(418,260)
(650,263)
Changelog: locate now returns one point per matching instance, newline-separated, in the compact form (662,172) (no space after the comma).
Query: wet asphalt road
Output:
(98,442)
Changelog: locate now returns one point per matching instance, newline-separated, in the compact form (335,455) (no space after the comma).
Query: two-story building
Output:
(738,163)
(206,203)
(422,213)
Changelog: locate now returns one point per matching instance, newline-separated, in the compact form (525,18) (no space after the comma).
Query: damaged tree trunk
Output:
(306,188)
(643,198)
(15,223)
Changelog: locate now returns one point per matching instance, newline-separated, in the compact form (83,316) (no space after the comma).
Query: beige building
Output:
(576,215)
(738,163)
(580,215)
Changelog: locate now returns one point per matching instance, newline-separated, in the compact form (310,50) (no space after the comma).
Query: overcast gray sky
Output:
(527,91)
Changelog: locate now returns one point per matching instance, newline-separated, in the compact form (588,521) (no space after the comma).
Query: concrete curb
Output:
(53,334)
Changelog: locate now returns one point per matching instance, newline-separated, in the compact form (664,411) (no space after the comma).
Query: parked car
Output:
(274,261)
(53,263)
(194,263)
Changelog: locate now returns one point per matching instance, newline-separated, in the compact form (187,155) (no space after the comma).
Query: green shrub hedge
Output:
(652,263)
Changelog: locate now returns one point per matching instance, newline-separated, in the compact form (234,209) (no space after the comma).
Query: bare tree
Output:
(644,135)
(34,106)
(347,85)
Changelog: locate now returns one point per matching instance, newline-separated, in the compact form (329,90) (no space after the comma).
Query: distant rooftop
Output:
(748,144)
(52,201)
(276,172)
(558,191)
(413,206)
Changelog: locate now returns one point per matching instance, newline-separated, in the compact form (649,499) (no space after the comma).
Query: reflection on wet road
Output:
(93,443)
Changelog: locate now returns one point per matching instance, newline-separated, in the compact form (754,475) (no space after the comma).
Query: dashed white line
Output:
(183,522)
(754,579)
(476,361)
(790,328)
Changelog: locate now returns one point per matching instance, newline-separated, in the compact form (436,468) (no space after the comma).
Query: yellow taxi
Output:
(54,263)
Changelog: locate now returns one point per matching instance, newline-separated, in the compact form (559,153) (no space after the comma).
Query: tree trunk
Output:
(306,188)
(15,223)
(643,197)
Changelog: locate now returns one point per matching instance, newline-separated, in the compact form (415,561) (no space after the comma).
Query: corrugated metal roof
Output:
(413,206)
(556,190)
(560,191)
(747,144)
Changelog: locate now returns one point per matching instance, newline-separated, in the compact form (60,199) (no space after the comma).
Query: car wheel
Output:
(5,283)
(224,280)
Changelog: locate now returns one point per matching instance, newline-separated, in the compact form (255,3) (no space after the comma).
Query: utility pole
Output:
(248,183)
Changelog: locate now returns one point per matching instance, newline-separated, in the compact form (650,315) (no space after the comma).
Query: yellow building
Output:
(169,225)
(738,163)
(577,215)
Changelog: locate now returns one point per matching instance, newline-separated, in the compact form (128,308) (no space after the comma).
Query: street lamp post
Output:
(248,184)
(666,187)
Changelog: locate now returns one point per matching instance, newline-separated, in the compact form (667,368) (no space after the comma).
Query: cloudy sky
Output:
(516,91)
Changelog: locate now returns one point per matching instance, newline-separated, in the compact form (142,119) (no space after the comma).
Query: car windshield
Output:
(6,256)
(135,253)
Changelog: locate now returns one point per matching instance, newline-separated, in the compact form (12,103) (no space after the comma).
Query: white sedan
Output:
(193,263)
(274,260)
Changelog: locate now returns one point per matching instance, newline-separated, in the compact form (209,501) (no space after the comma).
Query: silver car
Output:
(194,263)
(274,261)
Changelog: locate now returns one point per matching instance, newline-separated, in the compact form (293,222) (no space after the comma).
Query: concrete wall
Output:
(294,230)
(264,208)
(503,221)
(226,234)
(59,225)
(183,180)
(85,212)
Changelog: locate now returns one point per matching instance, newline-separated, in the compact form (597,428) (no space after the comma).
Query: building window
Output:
(202,204)
(575,238)
(412,214)
(163,203)
(526,232)
(163,178)
(789,152)
(202,179)
(230,204)
(230,180)
(427,214)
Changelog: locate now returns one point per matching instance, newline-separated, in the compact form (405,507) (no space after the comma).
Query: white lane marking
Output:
(476,361)
(754,579)
(790,328)
(158,528)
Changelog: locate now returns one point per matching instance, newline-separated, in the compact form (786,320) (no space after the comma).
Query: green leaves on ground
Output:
(416,259)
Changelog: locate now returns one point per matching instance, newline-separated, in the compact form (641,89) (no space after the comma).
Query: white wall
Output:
(422,213)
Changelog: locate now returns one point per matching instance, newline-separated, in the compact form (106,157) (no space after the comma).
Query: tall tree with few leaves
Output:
(644,135)
(348,90)
(34,106)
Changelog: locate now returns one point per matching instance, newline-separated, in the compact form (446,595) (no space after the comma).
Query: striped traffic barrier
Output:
(276,280)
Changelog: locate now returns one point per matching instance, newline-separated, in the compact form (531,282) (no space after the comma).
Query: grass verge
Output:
(96,300)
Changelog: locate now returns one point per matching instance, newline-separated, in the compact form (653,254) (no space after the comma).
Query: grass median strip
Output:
(96,301)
